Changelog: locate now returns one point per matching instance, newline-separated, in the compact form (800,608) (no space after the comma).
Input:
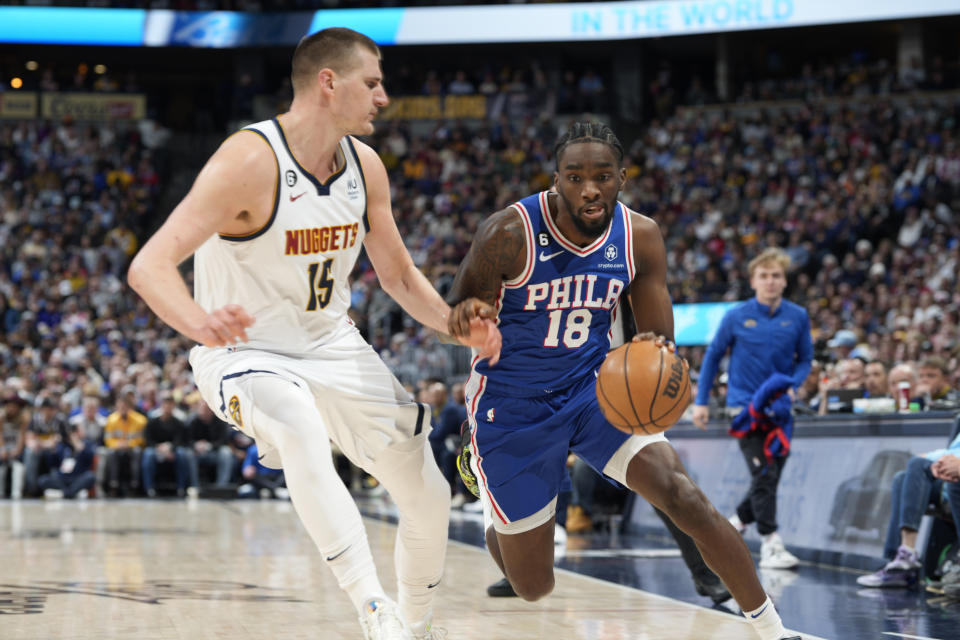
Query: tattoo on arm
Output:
(498,253)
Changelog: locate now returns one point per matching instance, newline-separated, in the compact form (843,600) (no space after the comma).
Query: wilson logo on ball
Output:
(672,387)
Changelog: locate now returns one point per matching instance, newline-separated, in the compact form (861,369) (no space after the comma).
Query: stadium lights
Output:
(16,83)
(32,65)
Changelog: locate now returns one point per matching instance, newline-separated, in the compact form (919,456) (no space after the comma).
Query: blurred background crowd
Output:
(850,163)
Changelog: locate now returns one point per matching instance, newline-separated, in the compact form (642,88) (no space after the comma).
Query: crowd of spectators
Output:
(861,193)
(856,75)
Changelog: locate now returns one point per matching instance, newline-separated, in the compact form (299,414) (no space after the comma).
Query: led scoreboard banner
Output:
(581,21)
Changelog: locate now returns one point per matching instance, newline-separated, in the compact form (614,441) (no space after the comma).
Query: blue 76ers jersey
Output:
(555,318)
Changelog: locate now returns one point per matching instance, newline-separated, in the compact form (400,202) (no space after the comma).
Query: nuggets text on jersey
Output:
(303,242)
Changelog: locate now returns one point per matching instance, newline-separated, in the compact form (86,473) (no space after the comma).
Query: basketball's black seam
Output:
(679,398)
(610,404)
(626,380)
(656,391)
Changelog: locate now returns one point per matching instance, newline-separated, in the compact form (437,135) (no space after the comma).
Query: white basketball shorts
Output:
(362,406)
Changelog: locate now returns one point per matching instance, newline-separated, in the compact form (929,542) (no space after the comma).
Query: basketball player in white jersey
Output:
(276,220)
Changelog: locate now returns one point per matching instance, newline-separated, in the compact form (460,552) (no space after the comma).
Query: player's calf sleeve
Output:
(352,564)
(410,474)
(287,419)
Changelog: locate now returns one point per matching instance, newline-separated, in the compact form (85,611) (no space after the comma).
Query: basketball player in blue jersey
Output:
(554,265)
(276,220)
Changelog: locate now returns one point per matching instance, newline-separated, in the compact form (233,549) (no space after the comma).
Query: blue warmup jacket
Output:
(761,344)
(769,413)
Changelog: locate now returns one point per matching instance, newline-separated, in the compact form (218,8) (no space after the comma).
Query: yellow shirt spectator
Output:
(124,430)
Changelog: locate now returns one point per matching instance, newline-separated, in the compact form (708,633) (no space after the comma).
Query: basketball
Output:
(643,389)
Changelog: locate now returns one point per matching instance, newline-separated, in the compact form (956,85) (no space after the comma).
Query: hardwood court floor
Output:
(239,570)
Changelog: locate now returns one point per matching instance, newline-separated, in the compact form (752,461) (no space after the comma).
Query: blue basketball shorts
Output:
(520,445)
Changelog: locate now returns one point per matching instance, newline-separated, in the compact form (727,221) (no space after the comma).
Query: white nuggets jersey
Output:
(292,274)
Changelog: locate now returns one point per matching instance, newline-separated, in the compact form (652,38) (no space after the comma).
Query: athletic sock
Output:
(352,564)
(766,621)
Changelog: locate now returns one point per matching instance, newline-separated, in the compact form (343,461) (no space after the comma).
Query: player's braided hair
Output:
(588,132)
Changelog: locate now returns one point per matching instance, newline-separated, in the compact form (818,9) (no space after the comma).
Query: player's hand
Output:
(701,413)
(485,336)
(458,322)
(224,326)
(471,322)
(659,341)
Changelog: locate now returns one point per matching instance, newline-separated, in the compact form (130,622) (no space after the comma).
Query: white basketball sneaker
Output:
(737,524)
(773,555)
(427,631)
(381,621)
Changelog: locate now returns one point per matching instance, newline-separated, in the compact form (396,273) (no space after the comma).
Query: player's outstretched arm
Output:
(232,194)
(401,278)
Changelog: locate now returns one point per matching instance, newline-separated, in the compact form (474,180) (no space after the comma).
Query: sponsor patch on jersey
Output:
(749,323)
(353,189)
(610,252)
(234,408)
(291,177)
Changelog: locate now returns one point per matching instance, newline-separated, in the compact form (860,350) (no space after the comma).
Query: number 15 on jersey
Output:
(321,289)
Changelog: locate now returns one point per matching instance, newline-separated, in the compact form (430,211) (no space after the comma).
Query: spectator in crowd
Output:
(875,379)
(843,343)
(947,470)
(209,436)
(848,375)
(15,416)
(460,85)
(590,494)
(902,373)
(72,474)
(591,91)
(933,384)
(809,391)
(123,437)
(260,481)
(449,414)
(239,444)
(91,421)
(47,429)
(922,483)
(766,336)
(165,443)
